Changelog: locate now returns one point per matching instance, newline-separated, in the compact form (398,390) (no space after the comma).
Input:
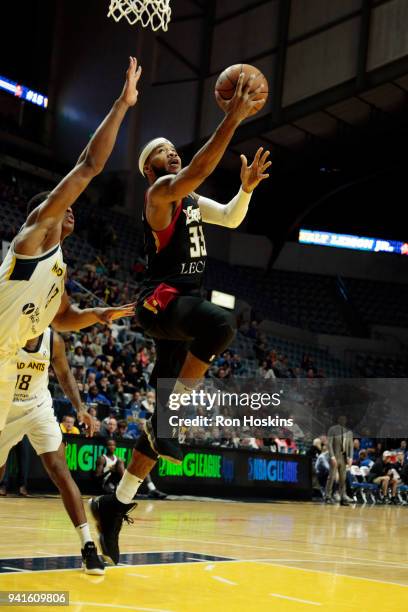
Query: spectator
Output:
(403,449)
(364,460)
(381,473)
(322,467)
(78,358)
(149,402)
(94,396)
(368,444)
(110,429)
(356,451)
(68,425)
(265,371)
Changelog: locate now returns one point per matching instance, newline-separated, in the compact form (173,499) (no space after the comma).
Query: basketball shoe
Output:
(109,514)
(168,448)
(91,563)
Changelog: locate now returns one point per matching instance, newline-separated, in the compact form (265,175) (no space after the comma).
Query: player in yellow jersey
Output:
(32,414)
(32,274)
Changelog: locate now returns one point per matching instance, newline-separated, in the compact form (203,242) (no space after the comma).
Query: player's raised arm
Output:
(174,187)
(50,213)
(232,214)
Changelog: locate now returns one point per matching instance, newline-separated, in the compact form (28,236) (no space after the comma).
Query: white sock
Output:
(127,488)
(151,486)
(84,534)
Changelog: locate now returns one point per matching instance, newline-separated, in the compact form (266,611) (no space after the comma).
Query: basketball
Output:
(228,79)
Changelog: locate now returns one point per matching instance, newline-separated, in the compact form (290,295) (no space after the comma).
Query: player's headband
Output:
(148,149)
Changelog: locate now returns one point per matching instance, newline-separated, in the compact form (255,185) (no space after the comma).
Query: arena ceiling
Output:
(336,113)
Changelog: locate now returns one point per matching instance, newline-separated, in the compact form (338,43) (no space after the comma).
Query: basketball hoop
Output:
(156,13)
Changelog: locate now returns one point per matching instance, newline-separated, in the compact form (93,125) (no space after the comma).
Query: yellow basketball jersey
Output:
(30,296)
(32,373)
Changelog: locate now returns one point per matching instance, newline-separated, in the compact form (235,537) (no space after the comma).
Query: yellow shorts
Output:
(38,423)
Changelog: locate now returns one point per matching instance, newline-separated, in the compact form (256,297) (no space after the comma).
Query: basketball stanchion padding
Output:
(156,13)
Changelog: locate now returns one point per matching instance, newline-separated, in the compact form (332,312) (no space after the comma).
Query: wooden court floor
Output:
(195,556)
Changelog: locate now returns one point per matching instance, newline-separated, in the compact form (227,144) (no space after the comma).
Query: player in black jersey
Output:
(189,331)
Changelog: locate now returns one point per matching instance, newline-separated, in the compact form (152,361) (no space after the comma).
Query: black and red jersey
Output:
(177,254)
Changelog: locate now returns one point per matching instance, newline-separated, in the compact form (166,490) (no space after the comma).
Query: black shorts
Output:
(188,323)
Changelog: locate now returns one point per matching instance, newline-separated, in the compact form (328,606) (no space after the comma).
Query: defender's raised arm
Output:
(45,220)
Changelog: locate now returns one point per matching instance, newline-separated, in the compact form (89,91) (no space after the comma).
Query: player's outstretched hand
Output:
(107,315)
(244,100)
(130,93)
(89,422)
(252,175)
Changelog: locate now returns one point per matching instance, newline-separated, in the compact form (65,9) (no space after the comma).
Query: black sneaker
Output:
(109,515)
(156,494)
(344,502)
(329,500)
(168,448)
(91,563)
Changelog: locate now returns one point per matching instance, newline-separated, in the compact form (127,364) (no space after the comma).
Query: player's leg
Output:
(23,462)
(330,482)
(109,511)
(13,433)
(3,485)
(8,375)
(342,481)
(45,436)
(209,329)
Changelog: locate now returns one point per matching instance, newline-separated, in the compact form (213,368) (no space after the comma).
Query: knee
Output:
(216,333)
(58,471)
(223,330)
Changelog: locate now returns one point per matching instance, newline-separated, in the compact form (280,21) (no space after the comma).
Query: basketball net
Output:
(156,13)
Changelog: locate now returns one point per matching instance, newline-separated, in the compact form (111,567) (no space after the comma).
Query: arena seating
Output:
(301,300)
(379,303)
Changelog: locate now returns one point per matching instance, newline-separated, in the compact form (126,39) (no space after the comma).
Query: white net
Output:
(156,13)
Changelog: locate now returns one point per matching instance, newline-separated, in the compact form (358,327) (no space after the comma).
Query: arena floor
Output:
(185,556)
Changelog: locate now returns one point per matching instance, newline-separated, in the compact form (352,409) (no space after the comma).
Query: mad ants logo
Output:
(28,308)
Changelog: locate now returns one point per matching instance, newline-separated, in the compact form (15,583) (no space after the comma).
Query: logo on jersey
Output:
(192,214)
(57,269)
(192,267)
(28,308)
(33,365)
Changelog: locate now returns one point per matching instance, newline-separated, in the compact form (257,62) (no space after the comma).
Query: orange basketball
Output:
(227,82)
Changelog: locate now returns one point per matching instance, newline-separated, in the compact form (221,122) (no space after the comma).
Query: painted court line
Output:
(220,579)
(240,545)
(331,561)
(42,553)
(14,569)
(138,575)
(116,606)
(336,575)
(304,601)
